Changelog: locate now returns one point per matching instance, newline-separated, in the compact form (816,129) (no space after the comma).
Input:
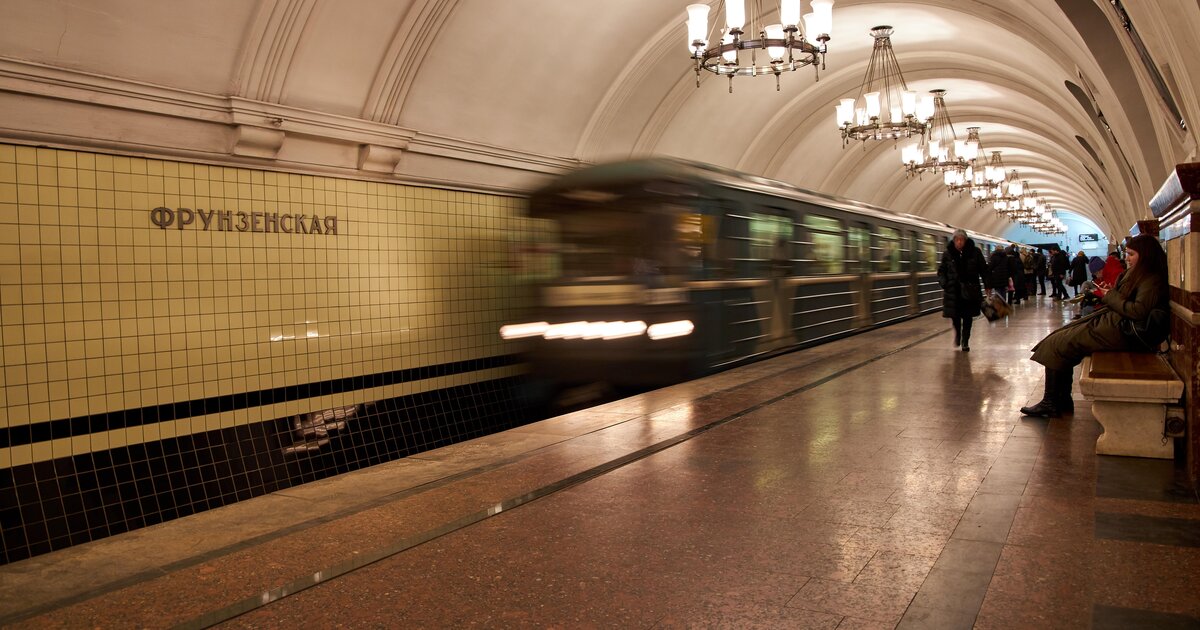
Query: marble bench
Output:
(1129,393)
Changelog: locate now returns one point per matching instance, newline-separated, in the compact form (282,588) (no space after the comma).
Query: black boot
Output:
(966,334)
(1062,399)
(1047,408)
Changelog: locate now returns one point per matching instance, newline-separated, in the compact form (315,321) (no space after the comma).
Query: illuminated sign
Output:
(1089,238)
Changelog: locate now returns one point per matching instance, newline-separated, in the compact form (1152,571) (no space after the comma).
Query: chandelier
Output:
(990,181)
(885,107)
(777,48)
(942,152)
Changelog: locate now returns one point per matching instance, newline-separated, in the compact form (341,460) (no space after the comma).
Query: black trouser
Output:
(1041,279)
(962,328)
(1057,283)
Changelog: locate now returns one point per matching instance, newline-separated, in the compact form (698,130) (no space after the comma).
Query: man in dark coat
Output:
(1079,271)
(961,276)
(1016,271)
(1058,271)
(1039,266)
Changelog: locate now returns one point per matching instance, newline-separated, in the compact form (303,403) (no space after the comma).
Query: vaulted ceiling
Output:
(501,94)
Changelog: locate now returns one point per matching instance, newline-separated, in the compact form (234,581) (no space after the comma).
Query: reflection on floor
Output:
(877,481)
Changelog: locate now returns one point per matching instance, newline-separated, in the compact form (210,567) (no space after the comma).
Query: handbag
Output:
(1148,334)
(994,307)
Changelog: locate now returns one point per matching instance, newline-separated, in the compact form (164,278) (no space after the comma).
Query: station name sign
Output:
(231,221)
(1089,238)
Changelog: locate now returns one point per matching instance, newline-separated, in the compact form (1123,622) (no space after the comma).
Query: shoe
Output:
(966,348)
(1042,410)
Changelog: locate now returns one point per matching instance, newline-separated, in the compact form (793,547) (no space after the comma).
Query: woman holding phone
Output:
(1137,293)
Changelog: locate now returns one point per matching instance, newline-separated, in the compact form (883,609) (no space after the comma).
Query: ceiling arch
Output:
(414,88)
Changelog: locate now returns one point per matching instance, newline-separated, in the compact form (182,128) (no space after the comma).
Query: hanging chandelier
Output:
(885,108)
(990,181)
(942,151)
(777,48)
(972,178)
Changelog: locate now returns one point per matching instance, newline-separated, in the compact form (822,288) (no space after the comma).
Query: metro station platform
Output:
(879,481)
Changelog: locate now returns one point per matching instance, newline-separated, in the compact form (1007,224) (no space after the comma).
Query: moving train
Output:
(664,270)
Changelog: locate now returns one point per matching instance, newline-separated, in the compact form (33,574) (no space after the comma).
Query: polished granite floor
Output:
(880,481)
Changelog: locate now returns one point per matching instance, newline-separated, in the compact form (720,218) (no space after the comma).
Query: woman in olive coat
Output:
(961,276)
(1139,291)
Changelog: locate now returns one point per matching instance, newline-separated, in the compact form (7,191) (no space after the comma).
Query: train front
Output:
(616,308)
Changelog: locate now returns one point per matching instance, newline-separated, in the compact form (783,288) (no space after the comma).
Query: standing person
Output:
(998,275)
(1039,267)
(1140,291)
(1079,271)
(1016,271)
(1058,271)
(961,276)
(1030,272)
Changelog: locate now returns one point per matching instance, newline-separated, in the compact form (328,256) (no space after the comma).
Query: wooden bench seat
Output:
(1130,392)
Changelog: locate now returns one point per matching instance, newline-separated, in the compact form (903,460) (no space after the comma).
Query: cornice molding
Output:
(258,129)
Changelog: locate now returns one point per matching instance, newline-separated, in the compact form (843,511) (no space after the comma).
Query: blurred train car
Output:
(666,270)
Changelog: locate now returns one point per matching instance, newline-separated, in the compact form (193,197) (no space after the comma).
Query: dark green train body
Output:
(664,270)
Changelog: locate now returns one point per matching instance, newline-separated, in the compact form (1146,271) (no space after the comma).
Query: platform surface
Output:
(886,480)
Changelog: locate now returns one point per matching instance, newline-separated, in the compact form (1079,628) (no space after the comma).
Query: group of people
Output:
(1131,314)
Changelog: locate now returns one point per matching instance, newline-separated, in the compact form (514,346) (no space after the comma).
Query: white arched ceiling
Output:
(533,86)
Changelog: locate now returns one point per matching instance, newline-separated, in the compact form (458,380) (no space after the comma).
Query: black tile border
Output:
(51,505)
(95,423)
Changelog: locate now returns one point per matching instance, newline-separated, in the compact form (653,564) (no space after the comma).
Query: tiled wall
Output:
(154,370)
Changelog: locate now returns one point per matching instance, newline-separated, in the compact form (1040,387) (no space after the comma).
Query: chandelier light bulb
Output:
(845,112)
(697,27)
(735,14)
(789,12)
(950,177)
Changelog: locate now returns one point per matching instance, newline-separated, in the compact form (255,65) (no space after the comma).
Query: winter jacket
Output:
(1059,263)
(1079,270)
(1066,347)
(961,276)
(998,273)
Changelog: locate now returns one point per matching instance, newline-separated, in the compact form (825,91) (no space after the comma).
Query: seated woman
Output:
(1141,289)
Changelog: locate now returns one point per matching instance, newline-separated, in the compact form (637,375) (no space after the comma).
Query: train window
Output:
(827,241)
(860,248)
(931,252)
(887,251)
(753,242)
(770,242)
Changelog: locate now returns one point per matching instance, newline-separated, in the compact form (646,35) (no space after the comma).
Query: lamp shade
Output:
(925,108)
(735,14)
(845,112)
(775,31)
(789,12)
(729,55)
(822,17)
(908,102)
(872,99)
(697,25)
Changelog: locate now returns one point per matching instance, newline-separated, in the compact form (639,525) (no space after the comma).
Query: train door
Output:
(913,242)
(858,258)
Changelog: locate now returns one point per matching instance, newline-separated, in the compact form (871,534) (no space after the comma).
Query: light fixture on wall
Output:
(941,151)
(885,108)
(795,42)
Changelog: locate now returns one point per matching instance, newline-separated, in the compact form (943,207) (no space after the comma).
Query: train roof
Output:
(615,174)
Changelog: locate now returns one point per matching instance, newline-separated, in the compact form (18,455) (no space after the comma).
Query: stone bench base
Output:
(1132,412)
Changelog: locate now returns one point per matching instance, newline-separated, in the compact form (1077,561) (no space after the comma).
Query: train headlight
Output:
(668,330)
(520,331)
